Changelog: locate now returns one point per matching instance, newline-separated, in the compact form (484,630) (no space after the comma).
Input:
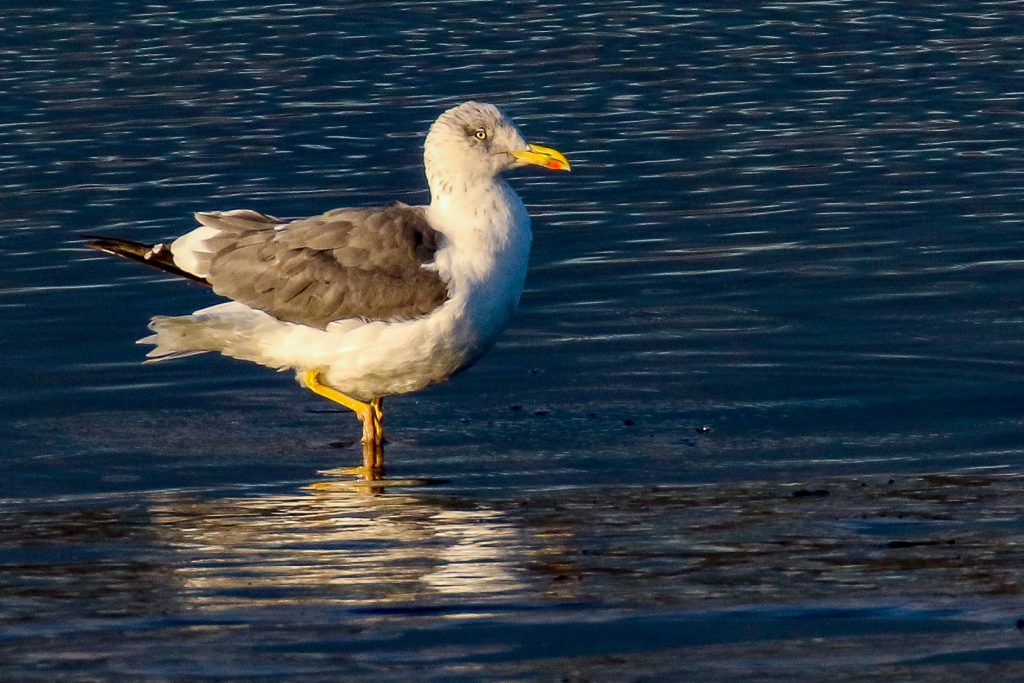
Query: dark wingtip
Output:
(99,243)
(154,256)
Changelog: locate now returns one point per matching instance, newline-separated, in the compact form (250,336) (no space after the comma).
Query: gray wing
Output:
(347,263)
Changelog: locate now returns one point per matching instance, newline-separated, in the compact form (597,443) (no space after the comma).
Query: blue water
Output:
(763,387)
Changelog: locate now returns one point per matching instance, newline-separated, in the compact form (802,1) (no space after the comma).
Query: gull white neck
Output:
(486,244)
(486,216)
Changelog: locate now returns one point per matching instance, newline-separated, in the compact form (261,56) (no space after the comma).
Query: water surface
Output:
(762,391)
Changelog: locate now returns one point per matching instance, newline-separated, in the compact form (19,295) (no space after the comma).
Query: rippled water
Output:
(759,414)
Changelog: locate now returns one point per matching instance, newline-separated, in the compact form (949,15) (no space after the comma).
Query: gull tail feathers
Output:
(178,337)
(153,255)
(224,328)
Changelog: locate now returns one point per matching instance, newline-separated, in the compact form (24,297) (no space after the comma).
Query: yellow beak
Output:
(543,156)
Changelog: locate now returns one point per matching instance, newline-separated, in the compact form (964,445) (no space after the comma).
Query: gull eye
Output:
(480,134)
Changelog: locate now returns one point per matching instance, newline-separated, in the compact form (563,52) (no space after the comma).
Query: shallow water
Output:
(759,413)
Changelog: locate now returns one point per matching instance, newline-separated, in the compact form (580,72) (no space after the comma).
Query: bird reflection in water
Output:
(335,545)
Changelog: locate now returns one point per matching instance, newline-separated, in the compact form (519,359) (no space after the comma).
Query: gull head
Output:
(474,142)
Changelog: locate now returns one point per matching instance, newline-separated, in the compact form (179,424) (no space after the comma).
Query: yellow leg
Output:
(378,413)
(312,381)
(370,415)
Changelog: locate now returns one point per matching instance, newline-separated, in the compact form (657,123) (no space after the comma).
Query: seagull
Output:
(364,303)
